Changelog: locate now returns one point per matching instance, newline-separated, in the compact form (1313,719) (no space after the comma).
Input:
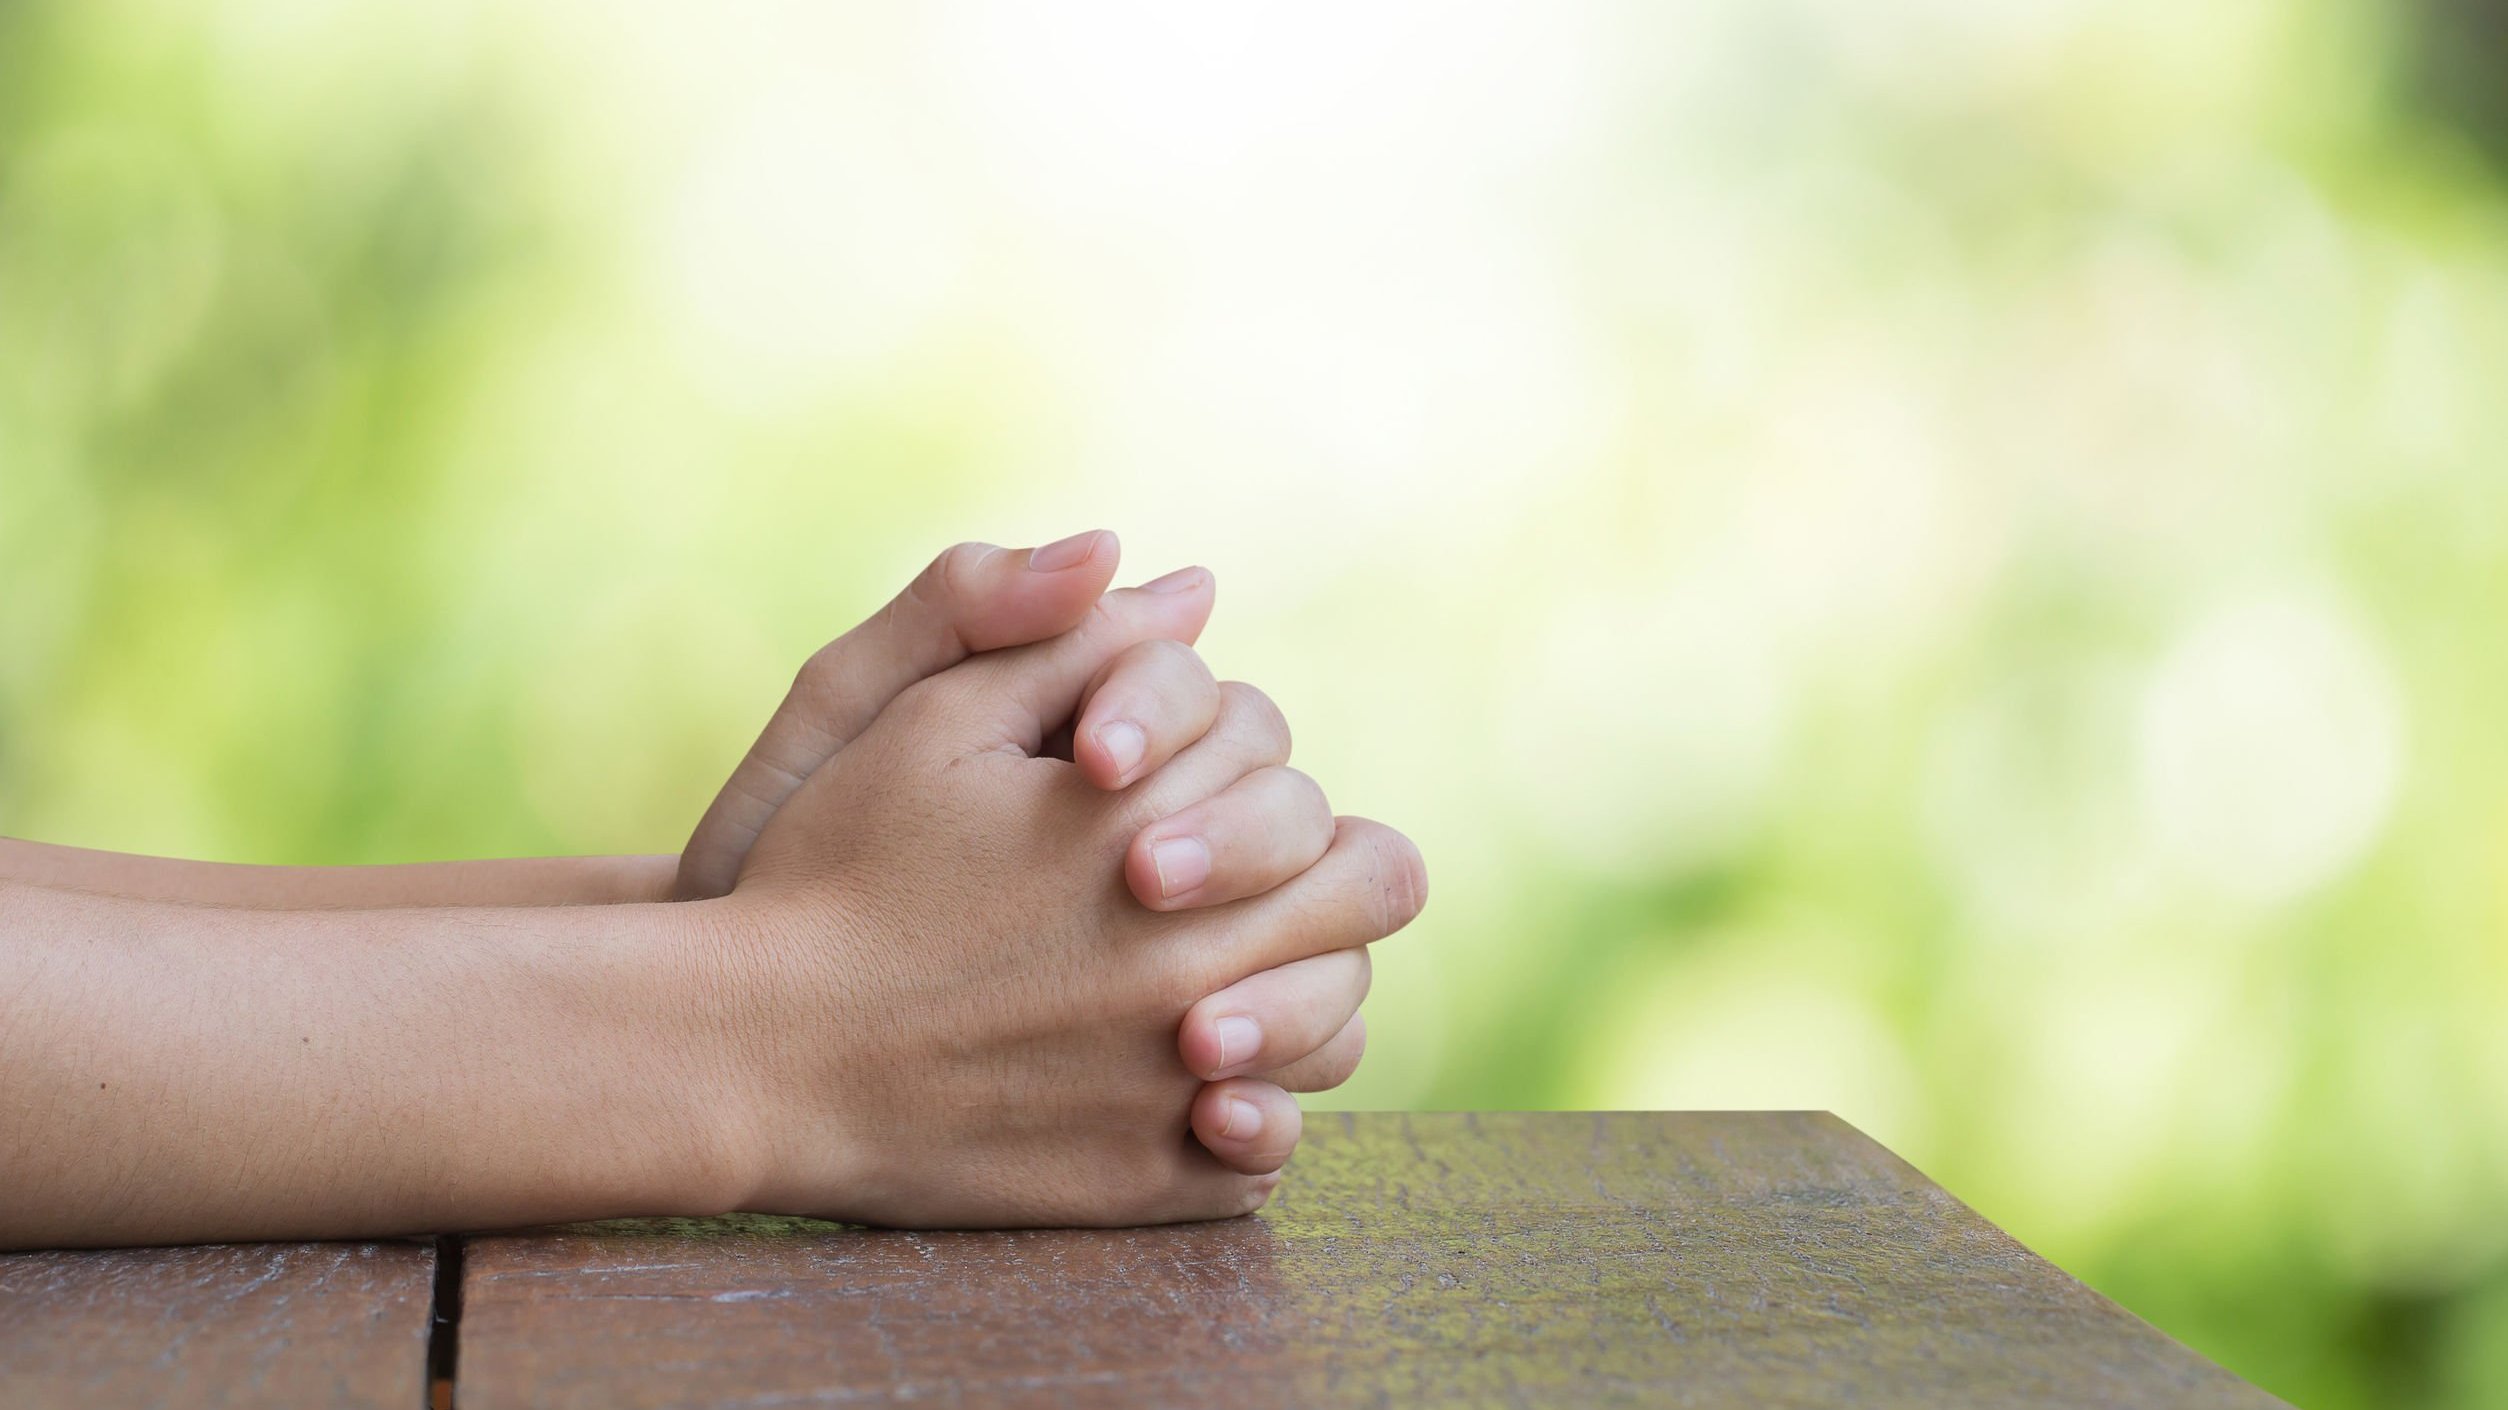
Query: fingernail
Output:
(1245,1120)
(1239,1039)
(1064,553)
(1181,580)
(1182,862)
(1124,743)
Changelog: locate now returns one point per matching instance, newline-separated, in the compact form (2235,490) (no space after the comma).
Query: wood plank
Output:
(1763,1259)
(318,1324)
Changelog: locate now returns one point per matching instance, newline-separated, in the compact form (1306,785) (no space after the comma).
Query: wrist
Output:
(783,1017)
(771,1015)
(690,1058)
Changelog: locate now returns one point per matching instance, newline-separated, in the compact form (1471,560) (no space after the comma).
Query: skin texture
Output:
(1147,701)
(1148,698)
(927,1002)
(1153,691)
(1031,1079)
(974,597)
(501,881)
(971,598)
(181,1074)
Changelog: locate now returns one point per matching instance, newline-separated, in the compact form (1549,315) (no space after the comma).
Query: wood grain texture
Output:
(276,1325)
(1705,1259)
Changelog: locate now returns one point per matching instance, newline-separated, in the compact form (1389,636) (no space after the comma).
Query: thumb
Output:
(974,597)
(1017,697)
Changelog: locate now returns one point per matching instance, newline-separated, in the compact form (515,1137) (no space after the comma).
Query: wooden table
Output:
(1706,1258)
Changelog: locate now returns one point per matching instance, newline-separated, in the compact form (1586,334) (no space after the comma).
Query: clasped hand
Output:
(1021,892)
(1012,915)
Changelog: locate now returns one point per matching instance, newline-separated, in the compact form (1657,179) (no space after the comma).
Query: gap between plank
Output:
(444,1322)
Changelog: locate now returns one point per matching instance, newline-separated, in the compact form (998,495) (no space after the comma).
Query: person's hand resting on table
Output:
(475,1067)
(1296,1026)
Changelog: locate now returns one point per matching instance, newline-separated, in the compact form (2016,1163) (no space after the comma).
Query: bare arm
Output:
(168,1074)
(517,881)
(923,1004)
(973,597)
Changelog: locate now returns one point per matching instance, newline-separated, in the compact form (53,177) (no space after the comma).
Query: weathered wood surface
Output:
(1704,1259)
(336,1324)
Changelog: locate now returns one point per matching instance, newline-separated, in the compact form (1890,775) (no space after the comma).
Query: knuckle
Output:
(937,595)
(1169,657)
(820,688)
(1337,1062)
(1307,796)
(922,697)
(930,700)
(1166,678)
(1254,717)
(817,672)
(1103,619)
(952,575)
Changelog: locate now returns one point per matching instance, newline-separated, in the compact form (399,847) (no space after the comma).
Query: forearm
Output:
(168,1074)
(518,881)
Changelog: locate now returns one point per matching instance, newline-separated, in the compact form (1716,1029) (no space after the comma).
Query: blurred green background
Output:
(1942,560)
